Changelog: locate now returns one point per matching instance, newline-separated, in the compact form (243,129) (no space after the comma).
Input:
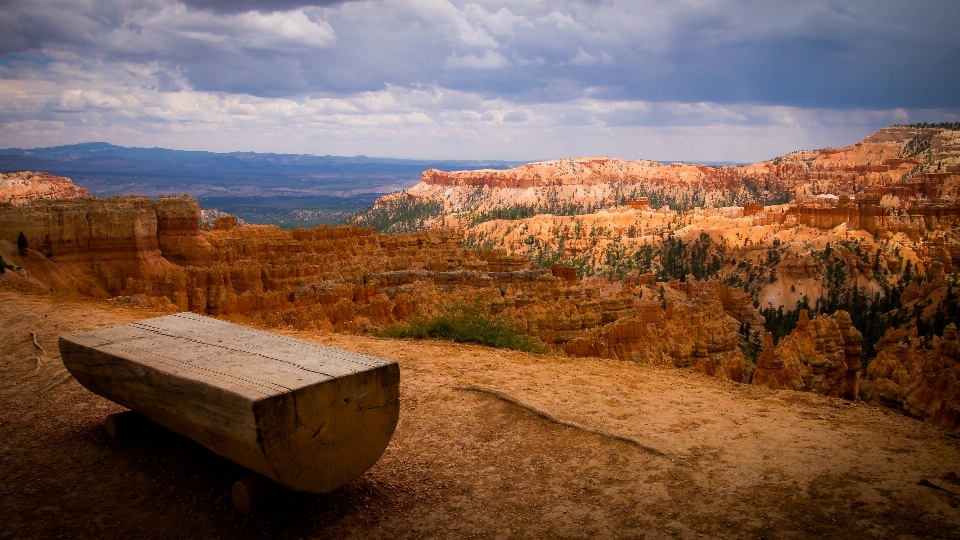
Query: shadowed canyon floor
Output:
(761,463)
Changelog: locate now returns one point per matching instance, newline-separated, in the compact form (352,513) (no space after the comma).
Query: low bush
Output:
(465,324)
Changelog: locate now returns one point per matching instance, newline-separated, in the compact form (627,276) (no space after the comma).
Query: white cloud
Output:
(289,30)
(82,100)
(500,23)
(583,58)
(442,18)
(490,60)
(118,105)
(562,21)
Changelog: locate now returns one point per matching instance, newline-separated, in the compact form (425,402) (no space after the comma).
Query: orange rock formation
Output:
(86,245)
(693,331)
(921,379)
(19,188)
(350,279)
(875,166)
(822,355)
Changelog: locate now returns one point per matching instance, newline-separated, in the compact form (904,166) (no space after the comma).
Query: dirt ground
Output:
(755,463)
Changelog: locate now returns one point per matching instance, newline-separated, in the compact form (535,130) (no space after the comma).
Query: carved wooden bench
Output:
(311,418)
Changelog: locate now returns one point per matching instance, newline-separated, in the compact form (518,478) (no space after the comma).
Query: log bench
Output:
(310,418)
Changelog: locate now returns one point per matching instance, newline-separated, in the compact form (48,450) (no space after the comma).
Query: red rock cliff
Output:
(178,230)
(105,242)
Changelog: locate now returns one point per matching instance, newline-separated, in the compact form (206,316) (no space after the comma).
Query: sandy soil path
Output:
(750,463)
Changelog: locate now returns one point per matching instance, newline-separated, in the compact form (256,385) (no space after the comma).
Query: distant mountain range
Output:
(286,189)
(106,169)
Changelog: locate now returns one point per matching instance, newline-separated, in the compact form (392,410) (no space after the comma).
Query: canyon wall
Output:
(876,165)
(88,245)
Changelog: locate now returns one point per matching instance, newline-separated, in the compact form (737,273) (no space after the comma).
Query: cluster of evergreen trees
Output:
(917,145)
(672,258)
(940,125)
(399,216)
(511,212)
(702,258)
(871,315)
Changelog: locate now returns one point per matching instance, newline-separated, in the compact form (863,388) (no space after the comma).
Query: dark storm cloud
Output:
(821,53)
(825,58)
(881,54)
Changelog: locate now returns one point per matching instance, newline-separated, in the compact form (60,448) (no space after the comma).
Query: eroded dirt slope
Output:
(465,464)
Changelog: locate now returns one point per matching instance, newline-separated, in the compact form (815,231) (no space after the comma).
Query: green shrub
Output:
(465,324)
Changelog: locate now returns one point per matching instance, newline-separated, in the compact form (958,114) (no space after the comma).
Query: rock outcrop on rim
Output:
(898,161)
(921,379)
(20,188)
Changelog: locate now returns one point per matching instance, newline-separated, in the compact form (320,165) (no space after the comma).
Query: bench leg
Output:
(124,425)
(254,493)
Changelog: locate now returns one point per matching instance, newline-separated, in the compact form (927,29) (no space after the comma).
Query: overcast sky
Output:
(737,80)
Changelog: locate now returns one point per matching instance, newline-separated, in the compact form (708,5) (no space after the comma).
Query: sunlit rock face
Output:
(820,355)
(20,188)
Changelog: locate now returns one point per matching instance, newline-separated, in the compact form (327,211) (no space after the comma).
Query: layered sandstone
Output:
(692,331)
(878,165)
(92,246)
(178,233)
(20,188)
(584,171)
(577,182)
(820,355)
(921,379)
